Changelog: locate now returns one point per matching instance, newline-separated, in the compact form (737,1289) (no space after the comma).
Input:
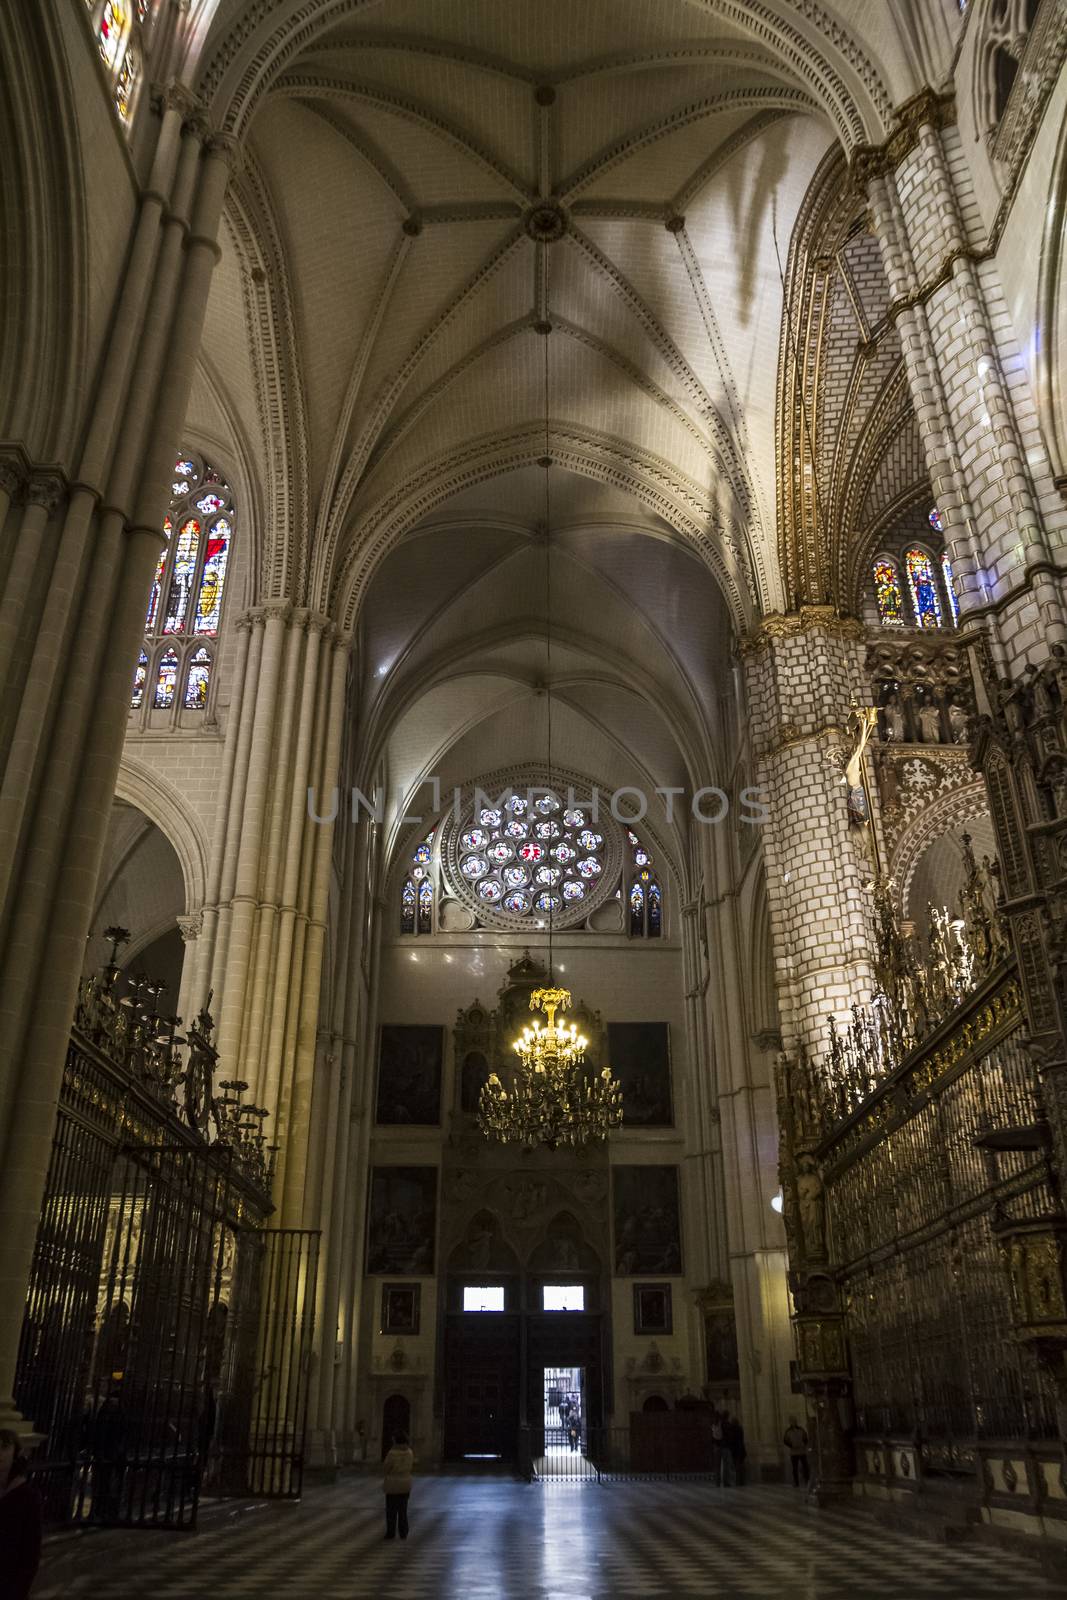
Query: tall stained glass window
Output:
(922,582)
(121,27)
(416,891)
(887,593)
(950,588)
(185,602)
(645,897)
(166,681)
(140,678)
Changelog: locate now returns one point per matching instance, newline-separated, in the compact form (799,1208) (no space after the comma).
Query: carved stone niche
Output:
(653,1375)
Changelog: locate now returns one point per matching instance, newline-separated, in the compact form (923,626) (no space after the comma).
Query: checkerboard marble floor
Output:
(487,1539)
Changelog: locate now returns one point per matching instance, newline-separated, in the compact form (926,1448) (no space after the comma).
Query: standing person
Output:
(717,1448)
(734,1439)
(396,1470)
(20,1521)
(796,1442)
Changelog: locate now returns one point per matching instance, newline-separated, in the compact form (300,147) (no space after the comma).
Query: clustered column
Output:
(80,544)
(260,952)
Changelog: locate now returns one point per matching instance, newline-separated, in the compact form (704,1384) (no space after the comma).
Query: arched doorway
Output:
(396,1418)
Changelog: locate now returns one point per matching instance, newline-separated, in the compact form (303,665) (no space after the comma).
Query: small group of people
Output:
(571,1418)
(727,1449)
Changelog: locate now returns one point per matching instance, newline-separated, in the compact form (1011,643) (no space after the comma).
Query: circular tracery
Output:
(531,855)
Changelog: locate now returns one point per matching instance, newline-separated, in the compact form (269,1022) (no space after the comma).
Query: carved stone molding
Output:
(926,109)
(826,620)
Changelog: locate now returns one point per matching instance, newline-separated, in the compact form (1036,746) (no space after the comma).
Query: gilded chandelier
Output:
(553,1099)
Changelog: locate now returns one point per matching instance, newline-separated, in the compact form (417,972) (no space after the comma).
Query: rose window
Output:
(532,857)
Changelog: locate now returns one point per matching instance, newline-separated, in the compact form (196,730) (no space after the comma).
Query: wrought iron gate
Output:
(167,1337)
(262,1421)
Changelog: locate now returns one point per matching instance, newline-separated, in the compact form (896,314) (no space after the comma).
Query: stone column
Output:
(80,616)
(977,417)
(263,936)
(747,1134)
(189,927)
(802,672)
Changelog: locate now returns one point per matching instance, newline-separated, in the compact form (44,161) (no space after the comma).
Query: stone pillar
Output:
(744,1119)
(74,591)
(261,948)
(803,671)
(990,471)
(189,927)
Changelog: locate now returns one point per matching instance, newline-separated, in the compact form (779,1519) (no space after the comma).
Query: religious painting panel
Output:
(652,1308)
(640,1058)
(647,1221)
(409,1075)
(402,1221)
(720,1344)
(400,1307)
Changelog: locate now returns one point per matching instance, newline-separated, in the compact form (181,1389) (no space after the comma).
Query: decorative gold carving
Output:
(926,109)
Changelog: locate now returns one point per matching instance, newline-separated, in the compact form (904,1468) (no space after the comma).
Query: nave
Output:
(490,1539)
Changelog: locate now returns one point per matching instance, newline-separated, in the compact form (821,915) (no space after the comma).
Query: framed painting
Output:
(652,1308)
(647,1225)
(409,1075)
(402,1222)
(639,1054)
(400,1308)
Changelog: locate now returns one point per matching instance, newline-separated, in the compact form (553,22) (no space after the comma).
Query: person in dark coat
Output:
(20,1521)
(734,1440)
(796,1442)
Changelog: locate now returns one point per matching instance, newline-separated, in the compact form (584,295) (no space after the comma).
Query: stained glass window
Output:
(950,589)
(166,681)
(114,27)
(140,678)
(197,681)
(646,896)
(887,593)
(417,889)
(185,602)
(120,28)
(125,84)
(533,856)
(935,521)
(214,576)
(923,585)
(181,577)
(157,589)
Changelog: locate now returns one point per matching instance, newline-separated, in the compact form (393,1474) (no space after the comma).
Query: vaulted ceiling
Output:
(468,237)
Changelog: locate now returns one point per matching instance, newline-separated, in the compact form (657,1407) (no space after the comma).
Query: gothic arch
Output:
(43,246)
(245,58)
(951,810)
(139,786)
(682,503)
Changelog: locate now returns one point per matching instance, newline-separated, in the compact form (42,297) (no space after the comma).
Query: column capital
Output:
(928,108)
(825,620)
(47,488)
(191,926)
(14,470)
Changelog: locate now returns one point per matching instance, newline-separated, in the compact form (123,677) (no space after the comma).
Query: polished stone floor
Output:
(486,1539)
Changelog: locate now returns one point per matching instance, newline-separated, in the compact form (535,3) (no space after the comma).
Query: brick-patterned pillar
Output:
(989,468)
(803,672)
